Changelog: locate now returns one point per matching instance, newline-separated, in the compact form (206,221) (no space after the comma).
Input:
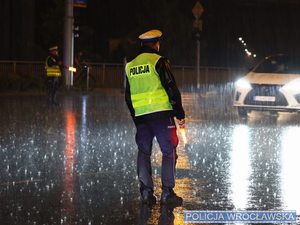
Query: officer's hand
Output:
(181,123)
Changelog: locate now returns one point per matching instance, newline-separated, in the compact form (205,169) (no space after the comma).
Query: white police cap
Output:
(150,36)
(53,48)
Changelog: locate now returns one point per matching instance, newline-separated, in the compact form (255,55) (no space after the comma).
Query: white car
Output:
(273,85)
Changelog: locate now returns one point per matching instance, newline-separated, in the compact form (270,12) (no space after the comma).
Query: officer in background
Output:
(53,72)
(153,99)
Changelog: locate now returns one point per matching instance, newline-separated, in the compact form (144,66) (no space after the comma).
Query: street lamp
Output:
(197,25)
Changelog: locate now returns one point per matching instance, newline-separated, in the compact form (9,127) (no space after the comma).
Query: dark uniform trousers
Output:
(164,129)
(52,86)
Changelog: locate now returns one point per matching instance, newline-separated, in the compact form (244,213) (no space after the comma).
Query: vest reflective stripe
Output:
(52,71)
(146,98)
(147,92)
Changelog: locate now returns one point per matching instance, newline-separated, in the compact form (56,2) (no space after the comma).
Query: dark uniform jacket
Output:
(53,60)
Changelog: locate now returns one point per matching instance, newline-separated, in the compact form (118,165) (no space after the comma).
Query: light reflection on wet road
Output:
(68,208)
(76,163)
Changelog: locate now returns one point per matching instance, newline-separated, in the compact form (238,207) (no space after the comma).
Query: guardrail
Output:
(111,75)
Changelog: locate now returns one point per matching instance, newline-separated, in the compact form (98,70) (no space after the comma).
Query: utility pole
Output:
(68,42)
(197,25)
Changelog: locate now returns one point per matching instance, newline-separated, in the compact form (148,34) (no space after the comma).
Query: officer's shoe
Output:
(169,197)
(148,197)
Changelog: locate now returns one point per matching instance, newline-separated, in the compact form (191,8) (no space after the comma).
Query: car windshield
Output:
(279,64)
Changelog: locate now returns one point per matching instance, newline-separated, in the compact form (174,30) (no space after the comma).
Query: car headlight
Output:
(293,86)
(242,84)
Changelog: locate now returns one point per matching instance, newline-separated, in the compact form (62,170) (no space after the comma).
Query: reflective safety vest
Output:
(147,92)
(52,71)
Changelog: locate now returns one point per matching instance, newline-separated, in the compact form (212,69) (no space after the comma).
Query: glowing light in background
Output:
(68,188)
(240,166)
(249,53)
(290,168)
(72,69)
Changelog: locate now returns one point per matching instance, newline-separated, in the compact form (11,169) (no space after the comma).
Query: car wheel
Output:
(242,112)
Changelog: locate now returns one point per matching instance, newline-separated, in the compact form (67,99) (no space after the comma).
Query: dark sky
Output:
(268,26)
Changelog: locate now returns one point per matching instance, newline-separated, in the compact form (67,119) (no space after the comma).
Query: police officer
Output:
(53,72)
(153,99)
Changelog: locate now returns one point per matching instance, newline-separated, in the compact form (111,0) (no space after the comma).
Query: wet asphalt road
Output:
(76,163)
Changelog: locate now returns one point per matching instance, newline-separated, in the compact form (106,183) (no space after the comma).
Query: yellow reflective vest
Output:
(52,71)
(147,93)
